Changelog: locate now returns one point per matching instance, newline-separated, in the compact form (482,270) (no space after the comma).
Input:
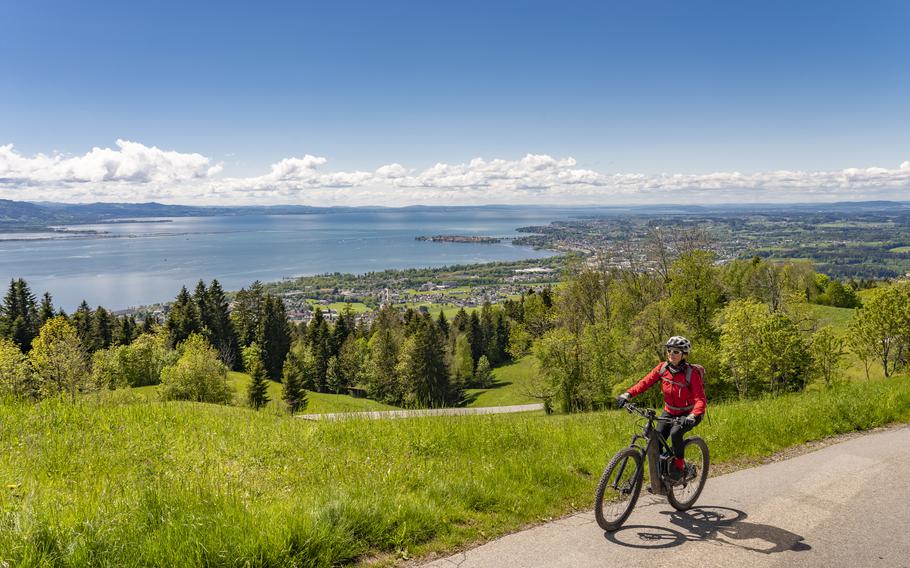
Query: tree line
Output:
(404,357)
(594,334)
(749,321)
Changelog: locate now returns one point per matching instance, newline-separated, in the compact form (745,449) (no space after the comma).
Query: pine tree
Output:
(19,315)
(125,330)
(443,323)
(200,298)
(46,310)
(461,322)
(257,393)
(547,296)
(292,391)
(475,336)
(224,338)
(274,336)
(422,367)
(487,332)
(483,375)
(409,316)
(148,323)
(344,326)
(82,321)
(182,319)
(502,338)
(246,313)
(102,333)
(318,339)
(380,374)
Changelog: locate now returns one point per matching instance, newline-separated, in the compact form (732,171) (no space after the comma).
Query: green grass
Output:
(186,484)
(899,249)
(839,318)
(318,403)
(324,403)
(509,384)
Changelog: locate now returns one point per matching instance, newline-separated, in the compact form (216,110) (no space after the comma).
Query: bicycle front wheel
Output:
(618,489)
(683,495)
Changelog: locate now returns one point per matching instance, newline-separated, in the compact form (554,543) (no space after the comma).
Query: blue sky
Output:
(632,88)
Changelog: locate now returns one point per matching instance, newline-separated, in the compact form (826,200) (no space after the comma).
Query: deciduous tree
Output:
(16,376)
(59,360)
(198,375)
(882,325)
(827,349)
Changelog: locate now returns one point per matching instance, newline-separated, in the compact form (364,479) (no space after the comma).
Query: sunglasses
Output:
(674,352)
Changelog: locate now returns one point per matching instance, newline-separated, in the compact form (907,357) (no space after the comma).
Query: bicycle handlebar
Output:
(649,413)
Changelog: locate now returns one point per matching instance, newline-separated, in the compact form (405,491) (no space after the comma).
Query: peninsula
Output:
(459,239)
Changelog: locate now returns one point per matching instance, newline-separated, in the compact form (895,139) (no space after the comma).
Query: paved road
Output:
(425,412)
(844,505)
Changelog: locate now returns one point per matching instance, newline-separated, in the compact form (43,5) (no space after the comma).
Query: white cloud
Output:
(135,172)
(132,162)
(295,169)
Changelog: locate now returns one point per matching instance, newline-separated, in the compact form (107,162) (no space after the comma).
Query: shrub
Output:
(16,377)
(198,375)
(59,361)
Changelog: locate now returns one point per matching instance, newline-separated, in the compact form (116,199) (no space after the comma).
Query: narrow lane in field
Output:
(377,414)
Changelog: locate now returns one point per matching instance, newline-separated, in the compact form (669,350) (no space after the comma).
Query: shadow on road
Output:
(715,524)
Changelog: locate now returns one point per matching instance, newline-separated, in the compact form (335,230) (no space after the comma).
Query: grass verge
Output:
(200,485)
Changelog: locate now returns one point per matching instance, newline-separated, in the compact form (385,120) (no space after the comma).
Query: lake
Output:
(135,263)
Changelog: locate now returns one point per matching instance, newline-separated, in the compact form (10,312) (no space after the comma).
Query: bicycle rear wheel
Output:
(618,489)
(683,495)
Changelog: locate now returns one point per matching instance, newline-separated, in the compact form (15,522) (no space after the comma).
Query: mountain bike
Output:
(622,479)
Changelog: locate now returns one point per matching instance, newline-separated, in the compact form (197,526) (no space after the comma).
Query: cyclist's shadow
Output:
(716,524)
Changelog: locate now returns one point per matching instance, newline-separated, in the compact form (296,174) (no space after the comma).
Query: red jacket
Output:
(678,399)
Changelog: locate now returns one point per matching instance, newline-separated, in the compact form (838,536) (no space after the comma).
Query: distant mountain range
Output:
(25,216)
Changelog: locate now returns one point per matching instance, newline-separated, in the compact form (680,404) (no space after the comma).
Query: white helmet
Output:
(679,342)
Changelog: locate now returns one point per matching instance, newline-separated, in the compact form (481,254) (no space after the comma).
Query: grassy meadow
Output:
(188,484)
(509,384)
(317,402)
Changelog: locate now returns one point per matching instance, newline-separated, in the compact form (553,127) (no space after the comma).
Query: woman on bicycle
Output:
(684,397)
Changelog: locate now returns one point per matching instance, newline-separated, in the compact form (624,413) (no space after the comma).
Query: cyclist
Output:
(684,397)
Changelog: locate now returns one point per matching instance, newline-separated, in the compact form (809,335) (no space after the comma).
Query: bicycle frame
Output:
(653,443)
